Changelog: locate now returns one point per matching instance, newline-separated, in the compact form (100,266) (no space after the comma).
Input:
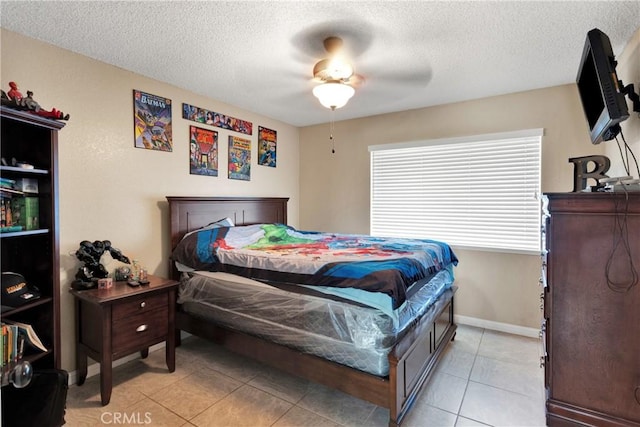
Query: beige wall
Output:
(629,73)
(111,190)
(493,286)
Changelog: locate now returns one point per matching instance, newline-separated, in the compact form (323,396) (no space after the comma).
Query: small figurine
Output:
(14,93)
(7,101)
(15,99)
(122,273)
(90,254)
(34,107)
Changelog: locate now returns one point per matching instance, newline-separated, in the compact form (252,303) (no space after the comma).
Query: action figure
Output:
(34,107)
(14,93)
(15,99)
(90,254)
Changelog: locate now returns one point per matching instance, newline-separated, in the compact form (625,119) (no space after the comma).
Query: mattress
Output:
(329,326)
(277,253)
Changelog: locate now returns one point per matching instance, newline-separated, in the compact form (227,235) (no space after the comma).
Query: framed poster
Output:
(212,118)
(152,121)
(267,144)
(239,158)
(203,151)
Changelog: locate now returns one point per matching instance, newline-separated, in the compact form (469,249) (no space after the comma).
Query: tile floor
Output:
(485,378)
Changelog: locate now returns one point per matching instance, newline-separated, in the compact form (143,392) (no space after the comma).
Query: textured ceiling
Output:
(259,55)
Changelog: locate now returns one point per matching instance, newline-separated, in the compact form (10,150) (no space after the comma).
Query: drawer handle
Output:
(637,395)
(142,328)
(143,304)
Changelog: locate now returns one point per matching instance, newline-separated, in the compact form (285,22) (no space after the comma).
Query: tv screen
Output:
(603,104)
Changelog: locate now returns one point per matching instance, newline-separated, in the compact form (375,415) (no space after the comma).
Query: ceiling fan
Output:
(336,66)
(336,74)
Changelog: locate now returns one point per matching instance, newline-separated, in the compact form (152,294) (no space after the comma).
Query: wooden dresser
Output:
(591,326)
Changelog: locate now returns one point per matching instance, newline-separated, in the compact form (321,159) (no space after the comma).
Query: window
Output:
(477,192)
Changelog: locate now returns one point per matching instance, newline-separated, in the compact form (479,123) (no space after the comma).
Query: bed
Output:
(383,359)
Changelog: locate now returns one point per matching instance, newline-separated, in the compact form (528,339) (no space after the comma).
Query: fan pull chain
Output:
(331,130)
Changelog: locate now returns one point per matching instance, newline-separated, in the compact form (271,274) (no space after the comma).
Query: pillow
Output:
(225,222)
(197,249)
(221,223)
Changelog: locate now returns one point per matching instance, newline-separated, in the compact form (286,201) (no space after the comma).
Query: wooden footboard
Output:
(414,358)
(411,361)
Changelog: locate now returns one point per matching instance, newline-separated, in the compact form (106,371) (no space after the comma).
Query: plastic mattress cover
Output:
(356,335)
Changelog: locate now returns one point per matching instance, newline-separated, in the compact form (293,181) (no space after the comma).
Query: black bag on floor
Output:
(40,404)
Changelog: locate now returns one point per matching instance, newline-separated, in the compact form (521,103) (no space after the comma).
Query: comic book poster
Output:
(239,158)
(203,153)
(212,118)
(267,142)
(152,121)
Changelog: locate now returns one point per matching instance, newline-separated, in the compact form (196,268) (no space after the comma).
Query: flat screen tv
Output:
(603,103)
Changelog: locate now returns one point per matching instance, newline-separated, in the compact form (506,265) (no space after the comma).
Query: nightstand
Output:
(115,322)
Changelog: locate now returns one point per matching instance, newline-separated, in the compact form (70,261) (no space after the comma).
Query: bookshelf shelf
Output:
(15,169)
(34,253)
(29,306)
(9,234)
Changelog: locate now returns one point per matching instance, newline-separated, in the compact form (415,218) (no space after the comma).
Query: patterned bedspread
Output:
(280,253)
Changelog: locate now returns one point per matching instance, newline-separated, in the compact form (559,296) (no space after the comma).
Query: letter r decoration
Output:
(581,172)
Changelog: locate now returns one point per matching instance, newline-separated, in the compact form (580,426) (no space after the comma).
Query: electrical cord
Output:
(625,156)
(625,163)
(621,242)
(628,149)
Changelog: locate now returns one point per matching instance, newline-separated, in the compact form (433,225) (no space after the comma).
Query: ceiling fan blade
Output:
(356,80)
(405,77)
(356,35)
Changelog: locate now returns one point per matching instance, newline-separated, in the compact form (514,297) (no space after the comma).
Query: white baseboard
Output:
(497,326)
(94,369)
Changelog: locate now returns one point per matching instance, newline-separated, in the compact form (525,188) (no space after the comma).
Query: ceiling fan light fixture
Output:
(340,68)
(336,68)
(333,94)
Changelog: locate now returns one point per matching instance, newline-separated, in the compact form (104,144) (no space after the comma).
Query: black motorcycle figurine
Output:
(92,270)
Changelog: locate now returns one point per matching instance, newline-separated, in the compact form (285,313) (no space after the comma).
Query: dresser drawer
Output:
(143,304)
(141,329)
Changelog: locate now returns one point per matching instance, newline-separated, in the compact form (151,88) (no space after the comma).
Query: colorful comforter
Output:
(282,254)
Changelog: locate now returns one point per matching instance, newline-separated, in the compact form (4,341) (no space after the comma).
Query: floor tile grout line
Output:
(506,390)
(487,385)
(475,356)
(499,360)
(283,415)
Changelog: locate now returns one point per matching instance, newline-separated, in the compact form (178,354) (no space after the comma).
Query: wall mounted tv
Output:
(603,103)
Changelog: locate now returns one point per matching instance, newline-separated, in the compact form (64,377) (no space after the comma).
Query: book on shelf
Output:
(17,214)
(25,212)
(6,347)
(7,183)
(25,335)
(11,344)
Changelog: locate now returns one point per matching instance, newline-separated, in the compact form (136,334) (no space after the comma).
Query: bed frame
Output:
(411,361)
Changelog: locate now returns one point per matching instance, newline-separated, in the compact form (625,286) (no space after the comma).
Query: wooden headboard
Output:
(190,213)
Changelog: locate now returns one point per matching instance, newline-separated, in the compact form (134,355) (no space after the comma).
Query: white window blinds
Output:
(476,192)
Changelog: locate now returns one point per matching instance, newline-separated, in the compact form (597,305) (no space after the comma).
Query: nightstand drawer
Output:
(139,329)
(140,305)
